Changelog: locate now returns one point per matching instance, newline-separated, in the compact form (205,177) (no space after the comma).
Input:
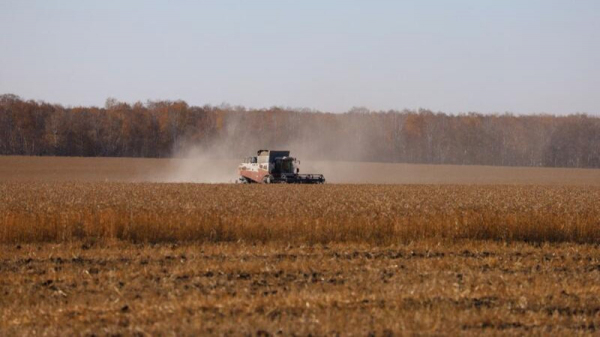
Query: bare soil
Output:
(206,170)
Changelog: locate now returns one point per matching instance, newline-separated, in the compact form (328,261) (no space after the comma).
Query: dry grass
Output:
(465,288)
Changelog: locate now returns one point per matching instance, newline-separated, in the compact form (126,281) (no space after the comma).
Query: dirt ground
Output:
(465,288)
(203,170)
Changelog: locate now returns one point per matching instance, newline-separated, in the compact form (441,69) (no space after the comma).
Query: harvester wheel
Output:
(268,179)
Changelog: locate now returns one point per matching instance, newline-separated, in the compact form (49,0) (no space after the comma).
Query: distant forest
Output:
(168,128)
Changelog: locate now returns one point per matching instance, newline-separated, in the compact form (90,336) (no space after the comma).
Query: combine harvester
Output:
(272,167)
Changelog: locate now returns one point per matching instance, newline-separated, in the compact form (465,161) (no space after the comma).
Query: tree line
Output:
(168,128)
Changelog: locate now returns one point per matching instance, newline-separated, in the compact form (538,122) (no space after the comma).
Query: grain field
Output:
(377,214)
(113,247)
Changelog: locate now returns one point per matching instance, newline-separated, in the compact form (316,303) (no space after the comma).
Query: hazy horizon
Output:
(482,56)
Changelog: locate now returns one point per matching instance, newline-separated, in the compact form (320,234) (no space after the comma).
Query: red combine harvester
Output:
(271,167)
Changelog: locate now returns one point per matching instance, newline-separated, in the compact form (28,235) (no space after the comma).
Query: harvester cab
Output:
(275,167)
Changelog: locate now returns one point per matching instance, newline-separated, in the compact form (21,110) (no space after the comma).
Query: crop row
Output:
(379,214)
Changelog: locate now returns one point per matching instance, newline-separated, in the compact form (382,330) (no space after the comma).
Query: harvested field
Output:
(420,288)
(98,247)
(69,169)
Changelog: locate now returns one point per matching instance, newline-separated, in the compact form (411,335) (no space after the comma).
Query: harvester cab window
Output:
(277,168)
(288,167)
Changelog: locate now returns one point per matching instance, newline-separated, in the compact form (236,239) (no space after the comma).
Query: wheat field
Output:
(377,214)
(107,247)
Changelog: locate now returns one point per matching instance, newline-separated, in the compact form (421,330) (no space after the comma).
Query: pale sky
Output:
(521,56)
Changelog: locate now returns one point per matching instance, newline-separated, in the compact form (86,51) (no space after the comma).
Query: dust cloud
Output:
(197,165)
(320,147)
(343,153)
